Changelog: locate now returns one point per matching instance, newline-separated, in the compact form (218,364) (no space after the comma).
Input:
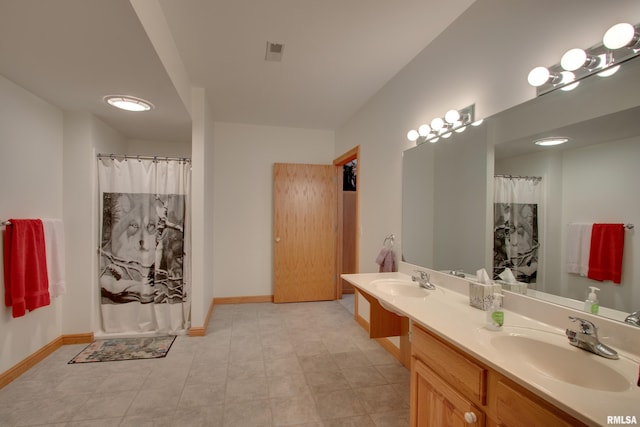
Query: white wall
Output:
(84,137)
(600,185)
(242,191)
(31,133)
(139,147)
(483,58)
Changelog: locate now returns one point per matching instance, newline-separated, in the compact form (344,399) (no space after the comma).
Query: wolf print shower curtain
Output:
(516,240)
(144,267)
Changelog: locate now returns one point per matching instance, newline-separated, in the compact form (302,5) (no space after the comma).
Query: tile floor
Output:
(304,364)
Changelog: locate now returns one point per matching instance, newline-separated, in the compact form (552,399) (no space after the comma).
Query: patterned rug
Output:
(125,349)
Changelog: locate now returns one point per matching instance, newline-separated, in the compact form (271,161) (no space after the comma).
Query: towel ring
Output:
(389,241)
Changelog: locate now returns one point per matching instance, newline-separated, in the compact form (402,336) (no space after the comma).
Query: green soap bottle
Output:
(591,304)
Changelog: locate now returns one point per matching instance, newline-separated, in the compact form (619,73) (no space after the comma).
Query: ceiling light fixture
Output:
(454,120)
(128,103)
(548,142)
(619,44)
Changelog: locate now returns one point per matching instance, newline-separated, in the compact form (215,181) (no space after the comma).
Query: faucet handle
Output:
(586,327)
(423,274)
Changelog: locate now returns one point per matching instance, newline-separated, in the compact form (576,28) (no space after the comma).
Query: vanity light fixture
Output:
(128,103)
(548,142)
(454,121)
(619,44)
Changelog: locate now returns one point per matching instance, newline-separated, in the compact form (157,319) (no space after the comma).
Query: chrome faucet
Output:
(633,318)
(587,339)
(423,278)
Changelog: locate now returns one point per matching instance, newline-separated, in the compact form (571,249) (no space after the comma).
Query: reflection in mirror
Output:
(592,178)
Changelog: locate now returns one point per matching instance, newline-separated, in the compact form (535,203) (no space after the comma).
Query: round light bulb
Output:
(566,77)
(572,86)
(434,140)
(609,71)
(618,36)
(437,123)
(412,135)
(461,129)
(424,130)
(446,135)
(477,122)
(573,59)
(538,76)
(452,116)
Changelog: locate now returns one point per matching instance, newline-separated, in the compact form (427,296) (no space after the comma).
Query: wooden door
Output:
(304,227)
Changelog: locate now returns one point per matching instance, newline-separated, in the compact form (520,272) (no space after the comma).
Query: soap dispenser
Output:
(495,315)
(591,304)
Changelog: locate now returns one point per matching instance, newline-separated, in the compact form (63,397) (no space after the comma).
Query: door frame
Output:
(339,162)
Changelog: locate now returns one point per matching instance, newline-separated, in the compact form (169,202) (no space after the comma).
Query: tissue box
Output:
(519,287)
(481,295)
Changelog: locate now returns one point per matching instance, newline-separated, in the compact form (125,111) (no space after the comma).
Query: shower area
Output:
(144,240)
(517,211)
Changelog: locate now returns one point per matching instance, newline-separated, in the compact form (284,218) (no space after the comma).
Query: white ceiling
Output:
(337,54)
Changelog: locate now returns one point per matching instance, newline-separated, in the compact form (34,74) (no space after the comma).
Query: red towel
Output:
(25,266)
(605,255)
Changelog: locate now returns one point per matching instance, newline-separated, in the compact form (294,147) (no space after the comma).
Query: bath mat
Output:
(125,349)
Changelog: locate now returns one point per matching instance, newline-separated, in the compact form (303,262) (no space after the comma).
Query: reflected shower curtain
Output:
(516,240)
(144,268)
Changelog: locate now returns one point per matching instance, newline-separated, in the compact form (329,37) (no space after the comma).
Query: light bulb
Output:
(566,77)
(446,135)
(538,76)
(609,71)
(572,86)
(437,123)
(573,59)
(424,130)
(461,129)
(412,135)
(434,140)
(618,36)
(452,116)
(547,142)
(477,122)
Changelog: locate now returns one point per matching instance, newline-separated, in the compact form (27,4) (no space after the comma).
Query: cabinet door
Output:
(434,403)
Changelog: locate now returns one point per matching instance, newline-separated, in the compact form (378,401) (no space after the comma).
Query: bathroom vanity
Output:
(525,374)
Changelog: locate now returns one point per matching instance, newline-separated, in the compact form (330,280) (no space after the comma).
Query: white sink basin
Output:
(549,356)
(400,288)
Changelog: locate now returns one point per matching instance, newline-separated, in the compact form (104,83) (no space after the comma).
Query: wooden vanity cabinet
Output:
(451,388)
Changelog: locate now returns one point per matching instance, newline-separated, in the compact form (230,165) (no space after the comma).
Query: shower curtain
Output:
(516,239)
(144,267)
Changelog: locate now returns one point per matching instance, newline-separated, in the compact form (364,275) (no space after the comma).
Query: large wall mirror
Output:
(448,187)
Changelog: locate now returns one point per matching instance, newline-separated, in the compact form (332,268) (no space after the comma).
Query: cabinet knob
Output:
(470,417)
(277,240)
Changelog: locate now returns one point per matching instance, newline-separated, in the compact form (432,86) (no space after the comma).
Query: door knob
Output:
(470,417)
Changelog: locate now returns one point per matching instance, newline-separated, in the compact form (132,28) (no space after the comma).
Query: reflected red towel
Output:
(25,266)
(605,255)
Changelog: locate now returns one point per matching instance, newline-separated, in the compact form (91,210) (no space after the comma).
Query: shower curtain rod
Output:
(535,178)
(155,158)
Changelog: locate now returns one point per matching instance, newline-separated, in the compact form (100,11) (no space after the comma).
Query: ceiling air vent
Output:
(274,52)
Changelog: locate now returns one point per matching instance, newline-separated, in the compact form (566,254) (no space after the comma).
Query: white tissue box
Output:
(519,287)
(481,295)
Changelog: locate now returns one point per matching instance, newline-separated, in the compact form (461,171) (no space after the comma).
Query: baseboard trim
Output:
(243,300)
(390,347)
(33,359)
(200,331)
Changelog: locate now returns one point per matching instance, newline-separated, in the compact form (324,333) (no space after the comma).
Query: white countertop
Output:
(448,314)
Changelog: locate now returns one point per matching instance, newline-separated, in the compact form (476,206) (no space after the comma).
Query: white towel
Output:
(577,248)
(54,244)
